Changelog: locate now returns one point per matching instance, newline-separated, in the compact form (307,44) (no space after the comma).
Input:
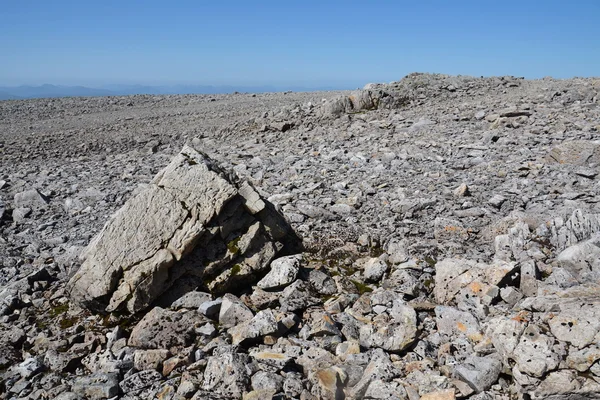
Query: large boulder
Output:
(576,152)
(190,227)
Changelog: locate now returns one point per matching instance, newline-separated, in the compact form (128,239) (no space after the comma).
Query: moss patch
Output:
(60,309)
(362,288)
(232,246)
(236,269)
(67,322)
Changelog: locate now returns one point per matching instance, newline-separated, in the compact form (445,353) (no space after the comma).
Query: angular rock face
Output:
(190,227)
(577,152)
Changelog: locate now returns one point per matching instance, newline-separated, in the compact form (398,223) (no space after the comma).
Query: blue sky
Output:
(311,43)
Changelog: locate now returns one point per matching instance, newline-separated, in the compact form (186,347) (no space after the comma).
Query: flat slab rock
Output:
(152,240)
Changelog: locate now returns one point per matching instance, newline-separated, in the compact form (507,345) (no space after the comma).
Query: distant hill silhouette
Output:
(49,91)
(30,92)
(8,96)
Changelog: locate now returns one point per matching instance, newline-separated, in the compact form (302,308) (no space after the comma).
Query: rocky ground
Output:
(432,238)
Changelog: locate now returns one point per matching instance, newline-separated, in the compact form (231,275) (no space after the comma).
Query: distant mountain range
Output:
(48,91)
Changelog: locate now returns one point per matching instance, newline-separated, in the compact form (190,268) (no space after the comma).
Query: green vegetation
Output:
(232,246)
(60,309)
(236,269)
(67,322)
(362,288)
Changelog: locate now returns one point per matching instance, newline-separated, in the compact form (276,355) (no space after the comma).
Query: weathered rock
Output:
(451,321)
(379,389)
(321,282)
(97,386)
(327,383)
(583,359)
(480,372)
(447,394)
(567,385)
(374,270)
(233,311)
(139,381)
(577,152)
(536,353)
(296,297)
(162,329)
(262,324)
(577,323)
(283,272)
(581,260)
(153,240)
(379,368)
(229,374)
(271,358)
(392,332)
(149,359)
(191,300)
(264,380)
(211,308)
(30,198)
(30,367)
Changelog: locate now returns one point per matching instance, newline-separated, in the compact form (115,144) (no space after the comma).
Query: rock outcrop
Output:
(191,226)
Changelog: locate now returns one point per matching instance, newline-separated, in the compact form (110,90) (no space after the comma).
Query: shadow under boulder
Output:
(191,227)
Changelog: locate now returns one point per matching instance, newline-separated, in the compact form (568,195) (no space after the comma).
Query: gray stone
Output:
(322,282)
(30,367)
(327,383)
(97,386)
(211,308)
(19,214)
(582,360)
(452,322)
(162,329)
(233,311)
(207,330)
(576,323)
(449,278)
(297,297)
(149,359)
(382,390)
(510,295)
(273,359)
(374,270)
(150,244)
(252,200)
(262,324)
(380,367)
(292,387)
(393,332)
(261,299)
(576,152)
(30,198)
(497,200)
(505,334)
(264,380)
(480,372)
(322,324)
(139,381)
(67,361)
(581,259)
(566,385)
(229,374)
(283,272)
(536,353)
(191,300)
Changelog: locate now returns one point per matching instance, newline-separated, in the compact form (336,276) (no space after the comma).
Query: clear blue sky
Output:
(311,43)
